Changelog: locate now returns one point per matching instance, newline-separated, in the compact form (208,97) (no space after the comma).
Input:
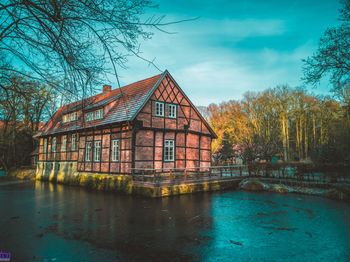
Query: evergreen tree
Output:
(226,150)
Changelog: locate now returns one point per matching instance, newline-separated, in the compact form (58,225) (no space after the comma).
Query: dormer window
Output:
(94,115)
(70,117)
(89,116)
(99,114)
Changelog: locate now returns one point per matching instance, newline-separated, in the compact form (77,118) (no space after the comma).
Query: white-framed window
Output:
(115,150)
(89,116)
(88,151)
(44,145)
(169,150)
(97,151)
(99,114)
(53,144)
(64,143)
(172,110)
(93,115)
(74,142)
(159,109)
(70,117)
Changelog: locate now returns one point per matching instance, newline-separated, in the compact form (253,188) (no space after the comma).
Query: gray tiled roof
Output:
(130,99)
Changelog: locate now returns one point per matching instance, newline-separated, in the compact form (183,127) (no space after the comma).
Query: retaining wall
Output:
(66,173)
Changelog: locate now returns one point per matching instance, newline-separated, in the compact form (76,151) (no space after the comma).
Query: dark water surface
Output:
(46,222)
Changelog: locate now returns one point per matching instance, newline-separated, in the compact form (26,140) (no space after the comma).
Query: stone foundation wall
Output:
(55,171)
(66,173)
(172,190)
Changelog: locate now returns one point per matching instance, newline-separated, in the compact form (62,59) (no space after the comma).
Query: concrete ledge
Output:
(184,188)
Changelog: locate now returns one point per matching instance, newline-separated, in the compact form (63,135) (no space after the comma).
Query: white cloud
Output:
(229,76)
(213,73)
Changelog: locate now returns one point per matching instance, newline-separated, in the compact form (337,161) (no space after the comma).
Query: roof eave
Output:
(150,93)
(212,132)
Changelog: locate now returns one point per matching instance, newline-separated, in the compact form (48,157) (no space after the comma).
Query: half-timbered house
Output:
(149,124)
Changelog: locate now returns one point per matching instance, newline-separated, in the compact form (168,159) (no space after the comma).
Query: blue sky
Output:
(234,46)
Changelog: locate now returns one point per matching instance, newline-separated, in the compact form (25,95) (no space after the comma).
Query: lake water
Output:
(46,222)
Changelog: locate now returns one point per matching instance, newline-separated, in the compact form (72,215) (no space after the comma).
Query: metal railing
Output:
(185,175)
(197,174)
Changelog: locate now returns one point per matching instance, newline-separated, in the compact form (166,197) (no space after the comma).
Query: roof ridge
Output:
(145,79)
(113,90)
(150,92)
(134,97)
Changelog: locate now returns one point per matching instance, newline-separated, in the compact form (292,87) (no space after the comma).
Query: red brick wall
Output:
(123,133)
(168,92)
(191,150)
(192,147)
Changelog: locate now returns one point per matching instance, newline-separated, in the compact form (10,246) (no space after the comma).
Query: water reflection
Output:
(130,225)
(46,221)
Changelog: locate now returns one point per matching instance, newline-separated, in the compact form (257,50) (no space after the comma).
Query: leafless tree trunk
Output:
(73,44)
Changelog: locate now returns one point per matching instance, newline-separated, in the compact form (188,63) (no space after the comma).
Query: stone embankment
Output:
(66,174)
(338,192)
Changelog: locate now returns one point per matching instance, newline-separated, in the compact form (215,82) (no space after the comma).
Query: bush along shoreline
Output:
(24,173)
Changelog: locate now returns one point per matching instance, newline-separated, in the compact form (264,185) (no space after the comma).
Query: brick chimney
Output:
(106,88)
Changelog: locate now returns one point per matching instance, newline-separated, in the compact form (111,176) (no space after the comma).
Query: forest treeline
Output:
(46,61)
(284,123)
(292,124)
(24,106)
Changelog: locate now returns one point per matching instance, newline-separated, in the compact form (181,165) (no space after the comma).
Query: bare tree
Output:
(333,57)
(72,43)
(22,106)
